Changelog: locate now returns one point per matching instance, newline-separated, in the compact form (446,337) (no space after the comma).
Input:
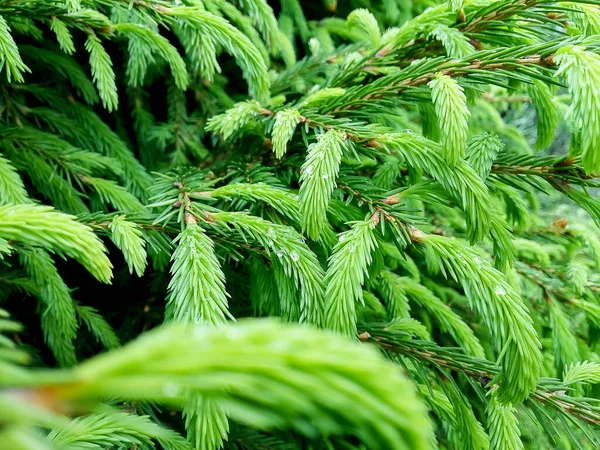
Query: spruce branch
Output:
(158,367)
(498,303)
(583,112)
(9,54)
(284,247)
(128,237)
(318,180)
(196,291)
(452,113)
(102,72)
(346,273)
(59,322)
(44,227)
(550,393)
(12,189)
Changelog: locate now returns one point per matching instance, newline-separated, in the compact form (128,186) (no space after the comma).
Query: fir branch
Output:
(551,393)
(234,41)
(461,181)
(583,113)
(278,199)
(547,115)
(63,36)
(113,194)
(482,151)
(114,428)
(503,425)
(449,321)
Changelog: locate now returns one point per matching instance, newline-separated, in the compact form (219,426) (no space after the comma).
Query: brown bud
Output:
(561,223)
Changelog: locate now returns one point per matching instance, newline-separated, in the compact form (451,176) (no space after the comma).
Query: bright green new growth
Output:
(581,70)
(283,130)
(504,430)
(318,180)
(196,290)
(367,23)
(456,44)
(239,356)
(11,185)
(114,428)
(582,372)
(127,236)
(102,72)
(452,113)
(197,295)
(345,277)
(9,54)
(234,119)
(42,226)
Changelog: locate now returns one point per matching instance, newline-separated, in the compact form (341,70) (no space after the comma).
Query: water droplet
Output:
(279,253)
(460,255)
(270,243)
(352,248)
(198,319)
(308,169)
(342,238)
(170,389)
(228,117)
(477,261)
(271,233)
(294,256)
(325,176)
(500,290)
(296,197)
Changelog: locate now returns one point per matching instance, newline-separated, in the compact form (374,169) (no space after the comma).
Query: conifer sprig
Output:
(318,180)
(346,273)
(44,227)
